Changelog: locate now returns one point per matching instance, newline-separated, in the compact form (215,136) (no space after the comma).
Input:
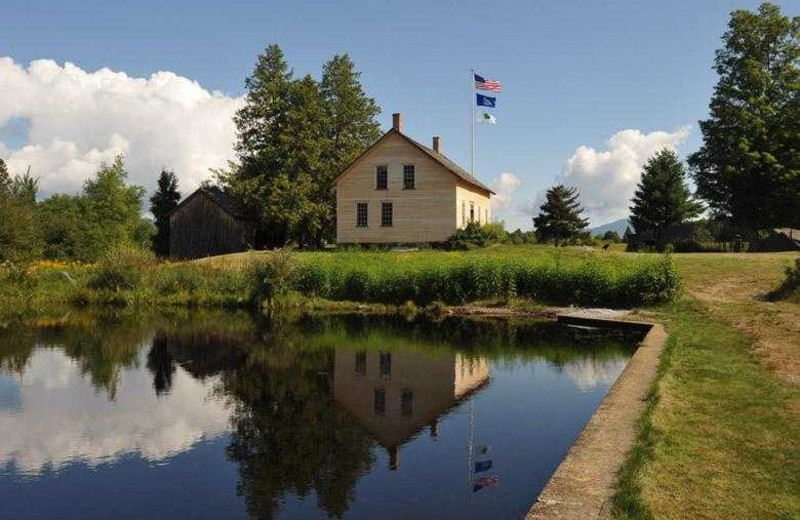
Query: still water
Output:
(217,415)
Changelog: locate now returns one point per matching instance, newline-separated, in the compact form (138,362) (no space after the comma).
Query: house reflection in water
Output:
(396,394)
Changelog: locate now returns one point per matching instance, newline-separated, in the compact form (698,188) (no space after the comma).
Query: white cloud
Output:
(588,374)
(93,430)
(79,119)
(607,179)
(504,186)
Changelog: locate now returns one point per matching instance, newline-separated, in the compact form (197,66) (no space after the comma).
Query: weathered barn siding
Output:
(428,213)
(200,227)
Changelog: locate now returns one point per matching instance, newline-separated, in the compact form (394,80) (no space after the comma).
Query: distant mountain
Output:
(618,226)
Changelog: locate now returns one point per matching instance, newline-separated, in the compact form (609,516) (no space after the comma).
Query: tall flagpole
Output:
(472,115)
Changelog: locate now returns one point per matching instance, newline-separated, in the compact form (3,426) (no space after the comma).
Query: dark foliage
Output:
(162,202)
(560,218)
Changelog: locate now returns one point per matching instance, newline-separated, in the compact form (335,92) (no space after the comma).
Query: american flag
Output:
(485,482)
(486,84)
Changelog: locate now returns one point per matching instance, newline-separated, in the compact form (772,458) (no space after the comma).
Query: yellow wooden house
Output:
(402,192)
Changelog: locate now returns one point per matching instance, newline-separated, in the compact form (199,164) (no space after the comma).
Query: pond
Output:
(219,415)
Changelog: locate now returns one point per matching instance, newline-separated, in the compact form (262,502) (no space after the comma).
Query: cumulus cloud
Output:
(91,429)
(588,374)
(78,119)
(504,186)
(607,178)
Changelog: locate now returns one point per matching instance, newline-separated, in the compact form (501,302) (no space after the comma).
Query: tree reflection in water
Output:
(289,434)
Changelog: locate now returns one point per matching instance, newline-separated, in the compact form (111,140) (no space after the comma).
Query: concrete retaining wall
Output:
(582,486)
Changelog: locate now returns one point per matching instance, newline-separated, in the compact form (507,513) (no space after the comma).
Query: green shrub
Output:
(121,268)
(179,279)
(790,286)
(311,280)
(476,235)
(272,279)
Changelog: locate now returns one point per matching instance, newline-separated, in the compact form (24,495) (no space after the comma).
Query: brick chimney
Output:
(437,143)
(397,121)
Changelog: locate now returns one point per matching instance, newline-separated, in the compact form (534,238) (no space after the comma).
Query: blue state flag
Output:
(483,465)
(486,101)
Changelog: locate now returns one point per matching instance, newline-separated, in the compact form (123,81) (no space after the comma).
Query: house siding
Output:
(424,214)
(465,195)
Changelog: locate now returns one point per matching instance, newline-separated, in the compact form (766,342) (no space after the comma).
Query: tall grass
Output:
(129,277)
(789,288)
(454,279)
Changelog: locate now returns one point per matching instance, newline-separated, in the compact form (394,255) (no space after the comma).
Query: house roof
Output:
(439,157)
(217,196)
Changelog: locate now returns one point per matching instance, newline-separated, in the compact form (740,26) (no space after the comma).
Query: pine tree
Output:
(25,188)
(560,216)
(749,165)
(162,202)
(662,200)
(262,144)
(294,137)
(626,237)
(352,125)
(294,202)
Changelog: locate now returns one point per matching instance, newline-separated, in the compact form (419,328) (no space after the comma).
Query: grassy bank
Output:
(721,437)
(131,278)
(42,287)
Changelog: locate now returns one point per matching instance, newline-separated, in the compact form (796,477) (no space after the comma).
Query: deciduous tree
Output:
(20,235)
(111,211)
(749,165)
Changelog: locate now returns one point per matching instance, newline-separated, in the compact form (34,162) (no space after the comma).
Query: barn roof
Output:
(217,196)
(439,157)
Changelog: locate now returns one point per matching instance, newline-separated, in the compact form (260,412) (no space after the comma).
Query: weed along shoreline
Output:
(583,486)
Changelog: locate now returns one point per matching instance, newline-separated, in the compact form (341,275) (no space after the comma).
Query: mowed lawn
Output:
(721,438)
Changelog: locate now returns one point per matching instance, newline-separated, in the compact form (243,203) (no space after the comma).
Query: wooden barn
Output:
(207,223)
(400,191)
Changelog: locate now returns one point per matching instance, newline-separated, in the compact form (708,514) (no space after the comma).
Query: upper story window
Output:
(463,213)
(387,214)
(409,181)
(362,214)
(382,177)
(361,363)
(479,213)
(472,212)
(385,364)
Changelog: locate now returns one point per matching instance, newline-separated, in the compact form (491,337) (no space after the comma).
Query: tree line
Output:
(294,135)
(747,172)
(80,227)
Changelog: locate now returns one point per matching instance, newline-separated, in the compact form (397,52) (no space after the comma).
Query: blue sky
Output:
(573,73)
